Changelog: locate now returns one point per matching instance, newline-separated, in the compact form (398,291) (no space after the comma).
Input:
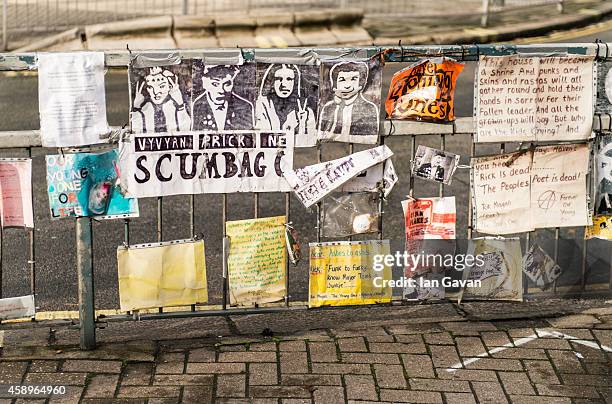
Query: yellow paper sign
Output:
(601,228)
(257,260)
(344,273)
(162,275)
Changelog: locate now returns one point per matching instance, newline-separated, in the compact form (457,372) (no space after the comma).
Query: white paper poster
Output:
(72,101)
(205,162)
(534,99)
(311,185)
(17,307)
(16,192)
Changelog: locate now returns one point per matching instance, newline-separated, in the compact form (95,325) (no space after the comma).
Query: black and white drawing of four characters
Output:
(270,97)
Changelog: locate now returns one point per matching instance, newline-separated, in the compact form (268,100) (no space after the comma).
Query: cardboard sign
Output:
(424,91)
(17,307)
(16,193)
(206,162)
(162,275)
(534,99)
(257,260)
(86,184)
(342,273)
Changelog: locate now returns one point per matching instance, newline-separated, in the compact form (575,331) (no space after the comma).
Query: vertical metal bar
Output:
(484,19)
(1,255)
(412,153)
(443,148)
(4,25)
(381,198)
(225,253)
(185,7)
(126,232)
(160,227)
(86,283)
(192,216)
(556,255)
(256,205)
(470,227)
(32,240)
(287,220)
(350,151)
(319,156)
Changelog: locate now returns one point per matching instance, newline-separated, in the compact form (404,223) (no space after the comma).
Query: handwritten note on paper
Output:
(72,98)
(342,273)
(257,260)
(558,186)
(534,99)
(502,193)
(16,192)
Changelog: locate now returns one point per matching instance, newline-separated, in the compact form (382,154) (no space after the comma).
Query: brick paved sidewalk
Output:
(398,362)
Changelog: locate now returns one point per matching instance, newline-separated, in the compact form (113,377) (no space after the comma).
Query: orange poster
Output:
(424,91)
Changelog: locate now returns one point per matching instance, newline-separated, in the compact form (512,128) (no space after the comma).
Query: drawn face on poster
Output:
(435,165)
(603,161)
(287,100)
(604,88)
(223,96)
(160,98)
(350,96)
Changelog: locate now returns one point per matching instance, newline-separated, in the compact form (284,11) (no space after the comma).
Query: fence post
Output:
(185,7)
(561,6)
(484,19)
(86,286)
(4,25)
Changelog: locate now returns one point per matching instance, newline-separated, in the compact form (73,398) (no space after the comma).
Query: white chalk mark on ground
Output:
(525,340)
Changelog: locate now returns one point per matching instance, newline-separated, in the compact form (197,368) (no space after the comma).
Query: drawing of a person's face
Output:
(347,84)
(99,196)
(284,80)
(219,85)
(157,86)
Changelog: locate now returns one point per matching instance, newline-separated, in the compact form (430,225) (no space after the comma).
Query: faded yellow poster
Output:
(344,273)
(601,228)
(162,274)
(257,260)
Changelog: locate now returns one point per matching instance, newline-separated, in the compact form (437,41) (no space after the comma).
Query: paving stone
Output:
(165,357)
(598,368)
(263,374)
(360,387)
(439,338)
(292,346)
(163,401)
(604,337)
(566,361)
(470,346)
(410,396)
(231,385)
(359,332)
(170,368)
(495,338)
(370,358)
(263,346)
(295,401)
(311,380)
(293,362)
(384,338)
(516,333)
(416,348)
(496,364)
(322,352)
(390,376)
(516,383)
(247,357)
(460,398)
(444,356)
(467,374)
(56,379)
(43,366)
(137,374)
(489,392)
(216,368)
(246,401)
(589,354)
(414,328)
(148,391)
(341,368)
(280,391)
(232,348)
(541,372)
(566,391)
(205,354)
(406,339)
(102,386)
(418,366)
(183,380)
(586,380)
(468,328)
(547,343)
(72,395)
(521,353)
(92,366)
(574,321)
(328,395)
(440,385)
(355,344)
(523,399)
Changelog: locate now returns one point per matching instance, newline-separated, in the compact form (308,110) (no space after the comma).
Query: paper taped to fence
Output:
(424,91)
(16,192)
(434,165)
(520,98)
(604,88)
(257,260)
(501,193)
(312,184)
(206,162)
(540,267)
(559,186)
(603,175)
(72,101)
(87,184)
(343,273)
(601,228)
(162,275)
(17,307)
(496,273)
(349,214)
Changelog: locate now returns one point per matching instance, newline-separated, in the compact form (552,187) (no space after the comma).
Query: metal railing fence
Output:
(390,132)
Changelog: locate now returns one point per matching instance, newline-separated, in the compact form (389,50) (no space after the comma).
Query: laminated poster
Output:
(16,192)
(17,307)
